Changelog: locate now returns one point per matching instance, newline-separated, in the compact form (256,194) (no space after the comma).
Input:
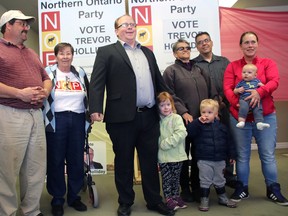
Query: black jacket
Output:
(211,141)
(113,70)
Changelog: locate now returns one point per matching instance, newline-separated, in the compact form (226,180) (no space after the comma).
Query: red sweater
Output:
(267,73)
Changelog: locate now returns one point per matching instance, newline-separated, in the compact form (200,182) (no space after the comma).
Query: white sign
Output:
(97,156)
(85,24)
(162,23)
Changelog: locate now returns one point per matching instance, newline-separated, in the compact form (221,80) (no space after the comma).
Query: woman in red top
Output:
(266,139)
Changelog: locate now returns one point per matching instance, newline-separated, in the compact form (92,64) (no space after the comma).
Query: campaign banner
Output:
(85,24)
(160,23)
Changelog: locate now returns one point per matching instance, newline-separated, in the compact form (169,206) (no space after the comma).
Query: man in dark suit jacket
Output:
(132,79)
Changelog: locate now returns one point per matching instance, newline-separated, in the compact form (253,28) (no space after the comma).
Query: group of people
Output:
(30,96)
(187,111)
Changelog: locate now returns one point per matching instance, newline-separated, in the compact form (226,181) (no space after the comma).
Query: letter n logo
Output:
(142,16)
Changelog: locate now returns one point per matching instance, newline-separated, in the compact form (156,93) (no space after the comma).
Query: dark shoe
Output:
(186,196)
(196,195)
(241,192)
(57,210)
(180,203)
(274,194)
(172,204)
(161,208)
(124,210)
(79,206)
(40,214)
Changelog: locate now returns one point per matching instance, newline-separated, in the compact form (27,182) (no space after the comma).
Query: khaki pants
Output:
(23,154)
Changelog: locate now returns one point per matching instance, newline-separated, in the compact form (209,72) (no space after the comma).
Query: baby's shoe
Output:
(240,124)
(261,125)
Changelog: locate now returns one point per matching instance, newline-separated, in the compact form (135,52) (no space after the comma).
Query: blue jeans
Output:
(266,142)
(66,145)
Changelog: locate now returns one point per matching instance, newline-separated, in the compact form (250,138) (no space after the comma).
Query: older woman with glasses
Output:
(66,111)
(191,84)
(266,140)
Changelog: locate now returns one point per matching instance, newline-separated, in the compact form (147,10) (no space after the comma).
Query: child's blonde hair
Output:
(163,96)
(250,66)
(209,103)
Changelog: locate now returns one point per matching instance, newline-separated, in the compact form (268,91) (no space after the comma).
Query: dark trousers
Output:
(141,133)
(66,145)
(189,179)
(229,169)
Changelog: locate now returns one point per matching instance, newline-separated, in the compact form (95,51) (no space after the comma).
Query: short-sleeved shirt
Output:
(20,68)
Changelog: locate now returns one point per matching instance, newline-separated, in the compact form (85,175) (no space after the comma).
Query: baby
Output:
(243,88)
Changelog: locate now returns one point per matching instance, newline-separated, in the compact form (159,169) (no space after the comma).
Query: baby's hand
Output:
(239,90)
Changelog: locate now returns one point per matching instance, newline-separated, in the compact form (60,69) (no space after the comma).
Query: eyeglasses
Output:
(201,42)
(125,25)
(183,48)
(23,24)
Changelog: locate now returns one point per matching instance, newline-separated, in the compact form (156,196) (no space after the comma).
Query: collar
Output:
(55,66)
(8,43)
(187,65)
(162,116)
(124,44)
(254,61)
(200,58)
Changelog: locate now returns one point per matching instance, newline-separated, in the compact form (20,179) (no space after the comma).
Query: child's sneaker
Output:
(241,192)
(204,204)
(171,204)
(224,200)
(180,203)
(274,193)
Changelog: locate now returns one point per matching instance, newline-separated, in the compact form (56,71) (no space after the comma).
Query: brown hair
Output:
(3,28)
(60,46)
(163,96)
(248,32)
(116,24)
